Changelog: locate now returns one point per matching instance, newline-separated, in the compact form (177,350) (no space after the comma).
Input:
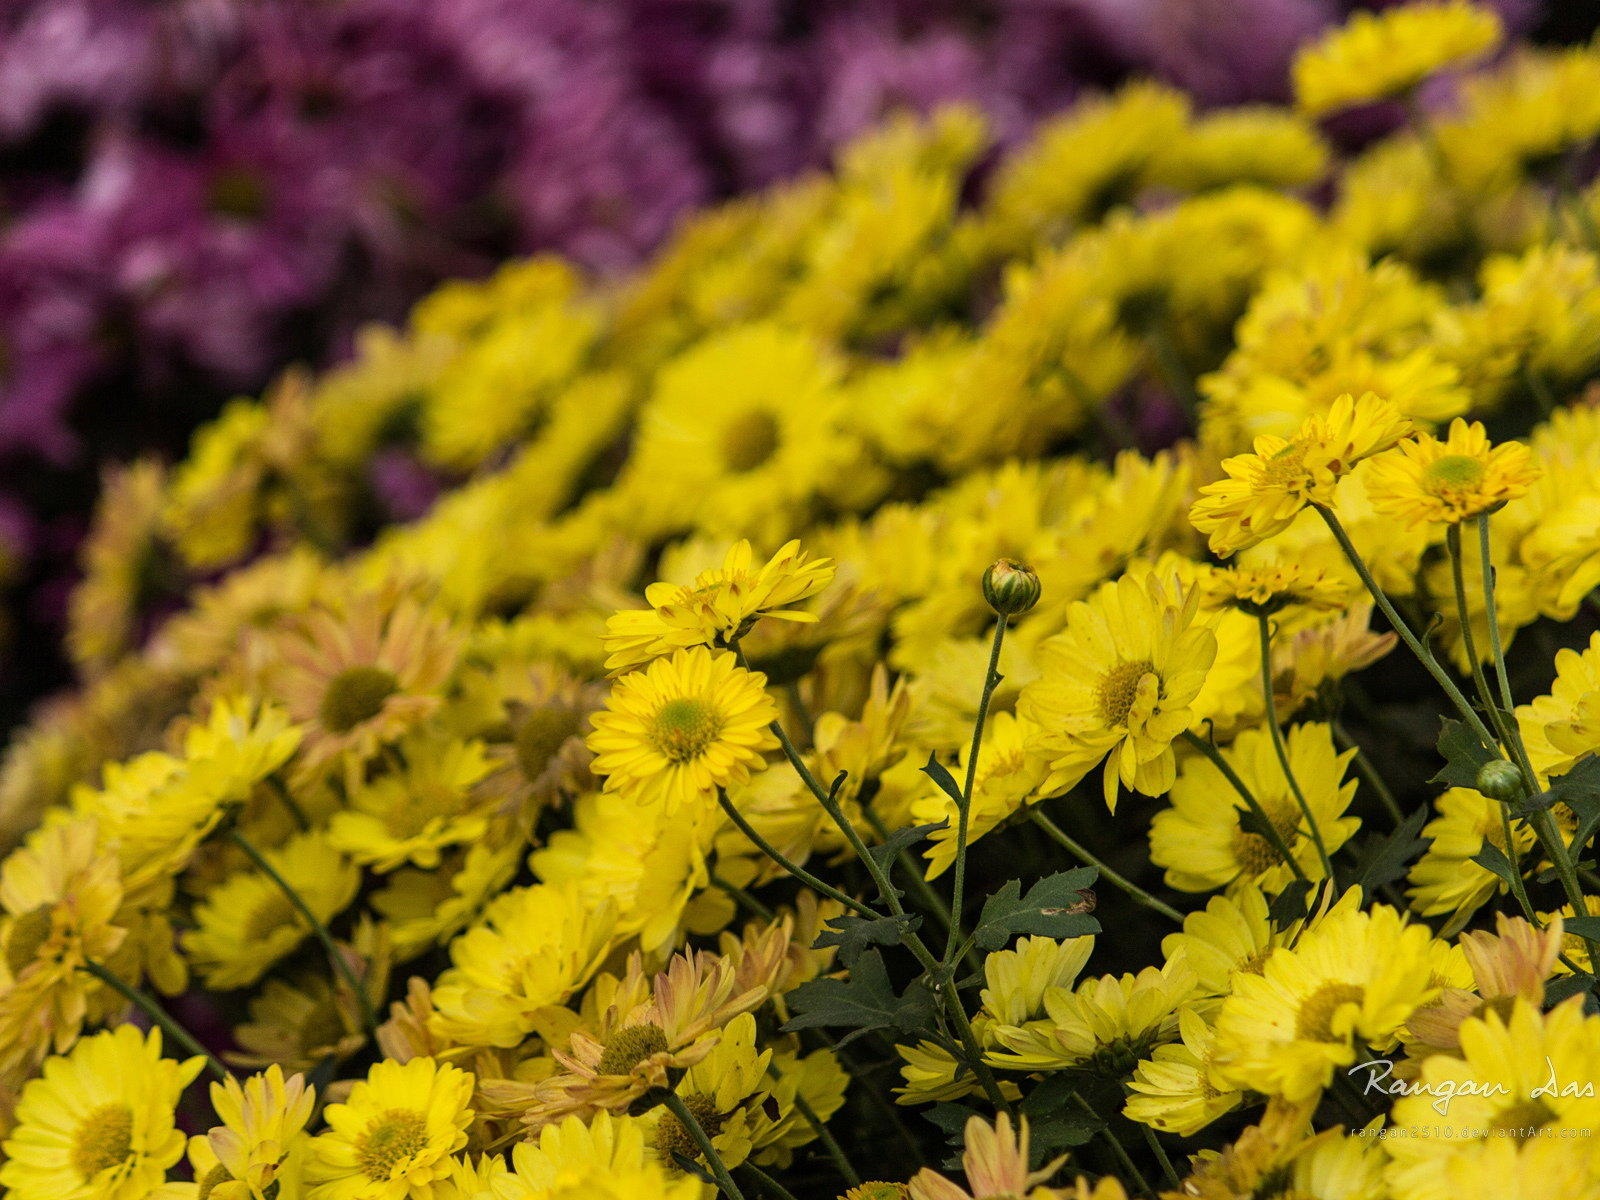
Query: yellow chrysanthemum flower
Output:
(1117,684)
(1200,839)
(997,1165)
(1445,881)
(1176,1089)
(604,1158)
(1273,585)
(1425,479)
(61,892)
(1231,934)
(718,607)
(1520,1100)
(682,728)
(1007,779)
(260,1120)
(247,923)
(1381,56)
(393,1138)
(98,1124)
(1266,489)
(1560,728)
(414,814)
(1353,978)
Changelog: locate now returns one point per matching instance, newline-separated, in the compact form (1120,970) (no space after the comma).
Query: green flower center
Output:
(1453,472)
(391,1139)
(683,728)
(103,1140)
(750,441)
(29,932)
(1286,468)
(1117,690)
(632,1046)
(541,735)
(1315,1020)
(1522,1120)
(355,695)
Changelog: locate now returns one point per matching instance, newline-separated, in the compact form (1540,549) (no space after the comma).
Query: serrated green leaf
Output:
(1492,858)
(1464,755)
(863,1002)
(1382,860)
(1056,1121)
(1289,905)
(854,935)
(1053,907)
(886,851)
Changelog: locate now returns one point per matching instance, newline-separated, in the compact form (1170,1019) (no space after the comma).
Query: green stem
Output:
(1369,773)
(336,958)
(719,1171)
(791,868)
(1458,575)
(743,897)
(1264,625)
(974,1055)
(1413,643)
(767,1182)
(147,1005)
(1060,837)
(1160,1152)
(926,894)
(1117,1148)
(851,1176)
(286,798)
(991,680)
(1542,823)
(1254,805)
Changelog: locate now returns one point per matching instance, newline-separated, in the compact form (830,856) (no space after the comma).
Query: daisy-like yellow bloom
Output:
(1007,779)
(1117,684)
(61,892)
(1176,1089)
(359,677)
(720,606)
(1266,489)
(1426,480)
(683,727)
(414,814)
(260,1120)
(247,923)
(1203,845)
(1232,933)
(996,1162)
(1562,727)
(1263,589)
(1354,978)
(98,1124)
(1386,55)
(1281,1156)
(298,1025)
(1104,1026)
(533,948)
(641,1048)
(1521,1098)
(604,1158)
(393,1138)
(1445,881)
(1017,980)
(726,1092)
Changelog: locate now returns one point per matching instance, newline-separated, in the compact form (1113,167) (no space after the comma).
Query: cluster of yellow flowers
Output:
(801,677)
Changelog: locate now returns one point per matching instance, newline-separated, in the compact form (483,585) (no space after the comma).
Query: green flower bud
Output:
(1010,588)
(1499,780)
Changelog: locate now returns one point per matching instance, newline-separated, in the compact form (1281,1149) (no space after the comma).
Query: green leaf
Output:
(1567,986)
(1054,907)
(1056,1121)
(886,851)
(1464,755)
(1579,790)
(1492,858)
(861,1003)
(1382,860)
(854,935)
(1584,927)
(935,770)
(1289,905)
